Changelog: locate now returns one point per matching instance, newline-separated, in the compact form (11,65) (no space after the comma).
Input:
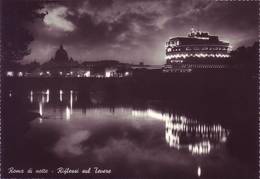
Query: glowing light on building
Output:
(200,55)
(108,74)
(197,51)
(10,73)
(20,74)
(87,74)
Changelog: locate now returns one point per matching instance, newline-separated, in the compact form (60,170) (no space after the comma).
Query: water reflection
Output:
(184,133)
(199,171)
(181,132)
(31,96)
(61,93)
(72,128)
(198,138)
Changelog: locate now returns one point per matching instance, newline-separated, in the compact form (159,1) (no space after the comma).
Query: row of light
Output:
(205,66)
(85,74)
(200,148)
(177,70)
(11,74)
(200,55)
(196,49)
(198,128)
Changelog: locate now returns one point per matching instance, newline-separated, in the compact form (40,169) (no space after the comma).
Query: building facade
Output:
(197,51)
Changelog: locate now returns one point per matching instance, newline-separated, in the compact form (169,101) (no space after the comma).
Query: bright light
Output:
(199,171)
(48,95)
(200,148)
(199,55)
(87,74)
(127,73)
(71,101)
(67,113)
(10,73)
(20,74)
(108,74)
(40,109)
(61,92)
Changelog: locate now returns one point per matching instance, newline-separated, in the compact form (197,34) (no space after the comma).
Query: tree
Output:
(16,36)
(246,58)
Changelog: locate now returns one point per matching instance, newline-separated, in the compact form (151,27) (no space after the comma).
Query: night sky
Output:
(135,31)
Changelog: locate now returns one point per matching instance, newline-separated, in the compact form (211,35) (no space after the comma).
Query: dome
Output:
(61,55)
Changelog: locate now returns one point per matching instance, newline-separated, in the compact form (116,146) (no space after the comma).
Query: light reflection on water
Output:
(82,130)
(181,132)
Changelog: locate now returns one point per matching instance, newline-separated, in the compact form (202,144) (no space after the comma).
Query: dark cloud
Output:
(100,4)
(137,30)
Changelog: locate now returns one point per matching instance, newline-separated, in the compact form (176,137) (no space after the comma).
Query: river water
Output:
(151,138)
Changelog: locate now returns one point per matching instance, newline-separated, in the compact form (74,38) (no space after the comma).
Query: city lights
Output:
(108,74)
(197,51)
(10,73)
(87,74)
(20,74)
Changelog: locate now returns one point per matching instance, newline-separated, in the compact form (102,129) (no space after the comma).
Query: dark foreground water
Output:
(96,131)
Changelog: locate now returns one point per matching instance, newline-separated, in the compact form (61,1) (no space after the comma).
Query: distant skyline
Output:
(134,31)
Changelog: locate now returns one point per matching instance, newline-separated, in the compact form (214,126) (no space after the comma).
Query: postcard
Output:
(129,89)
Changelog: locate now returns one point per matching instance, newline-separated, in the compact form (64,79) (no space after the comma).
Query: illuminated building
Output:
(197,51)
(10,73)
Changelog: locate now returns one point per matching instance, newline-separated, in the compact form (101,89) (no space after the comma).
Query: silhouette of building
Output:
(61,56)
(197,51)
(61,65)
